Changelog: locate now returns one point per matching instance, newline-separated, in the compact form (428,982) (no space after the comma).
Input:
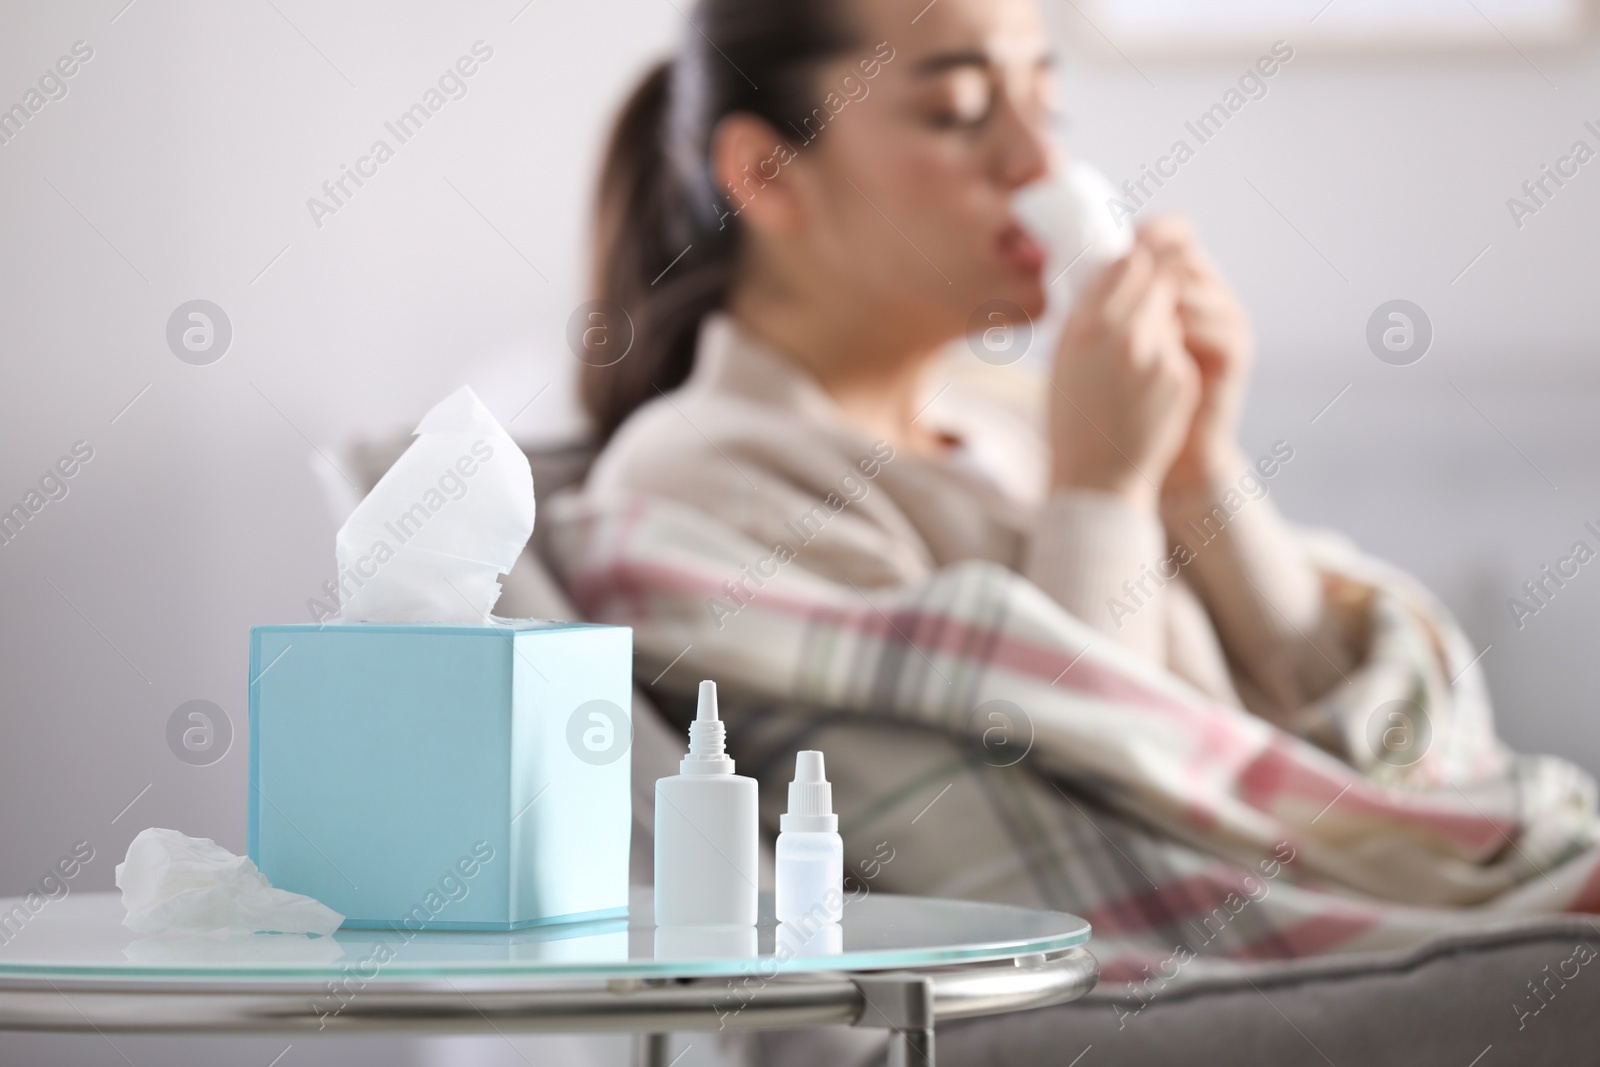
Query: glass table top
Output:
(82,937)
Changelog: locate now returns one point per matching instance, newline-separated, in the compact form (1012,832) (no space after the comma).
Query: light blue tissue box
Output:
(431,776)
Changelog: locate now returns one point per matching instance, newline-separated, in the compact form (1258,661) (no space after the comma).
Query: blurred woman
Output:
(1053,635)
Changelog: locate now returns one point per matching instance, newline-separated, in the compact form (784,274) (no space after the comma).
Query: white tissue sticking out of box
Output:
(1069,212)
(430,541)
(174,883)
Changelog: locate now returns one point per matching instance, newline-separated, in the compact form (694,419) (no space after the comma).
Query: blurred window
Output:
(1193,26)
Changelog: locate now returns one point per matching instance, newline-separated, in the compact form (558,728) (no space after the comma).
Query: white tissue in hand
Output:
(430,542)
(1069,213)
(173,882)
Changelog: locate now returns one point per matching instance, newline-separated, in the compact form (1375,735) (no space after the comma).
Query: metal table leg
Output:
(650,1050)
(903,1004)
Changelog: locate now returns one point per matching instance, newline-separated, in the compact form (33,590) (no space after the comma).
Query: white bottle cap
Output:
(810,797)
(706,738)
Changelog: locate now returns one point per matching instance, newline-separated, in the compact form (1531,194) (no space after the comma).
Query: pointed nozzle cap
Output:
(707,736)
(808,766)
(810,797)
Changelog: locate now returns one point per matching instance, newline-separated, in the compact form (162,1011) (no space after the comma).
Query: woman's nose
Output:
(1026,147)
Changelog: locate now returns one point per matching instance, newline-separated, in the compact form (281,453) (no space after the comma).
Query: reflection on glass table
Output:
(894,962)
(82,936)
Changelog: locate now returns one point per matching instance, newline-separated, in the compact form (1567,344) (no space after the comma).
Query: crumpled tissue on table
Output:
(430,541)
(174,883)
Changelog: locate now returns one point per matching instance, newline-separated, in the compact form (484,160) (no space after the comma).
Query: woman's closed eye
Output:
(959,98)
(967,97)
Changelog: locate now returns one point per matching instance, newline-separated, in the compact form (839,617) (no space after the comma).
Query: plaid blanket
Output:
(983,743)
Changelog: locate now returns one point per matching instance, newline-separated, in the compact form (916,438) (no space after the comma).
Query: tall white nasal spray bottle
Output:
(706,832)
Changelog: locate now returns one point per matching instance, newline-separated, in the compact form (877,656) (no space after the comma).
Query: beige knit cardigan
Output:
(1221,593)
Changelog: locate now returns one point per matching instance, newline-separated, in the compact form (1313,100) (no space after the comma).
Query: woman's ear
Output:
(752,167)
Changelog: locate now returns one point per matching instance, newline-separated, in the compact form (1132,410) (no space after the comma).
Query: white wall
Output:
(179,165)
(1383,178)
(190,144)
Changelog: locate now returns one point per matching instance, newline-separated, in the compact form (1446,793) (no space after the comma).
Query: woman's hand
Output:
(1218,337)
(1124,387)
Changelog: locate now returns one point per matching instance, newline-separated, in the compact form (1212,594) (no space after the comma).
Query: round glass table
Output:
(895,962)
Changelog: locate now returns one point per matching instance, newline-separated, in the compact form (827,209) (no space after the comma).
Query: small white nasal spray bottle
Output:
(810,853)
(707,836)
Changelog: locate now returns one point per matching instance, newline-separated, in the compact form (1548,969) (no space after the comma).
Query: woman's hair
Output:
(658,205)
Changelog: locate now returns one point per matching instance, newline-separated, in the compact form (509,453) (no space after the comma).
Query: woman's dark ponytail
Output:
(643,221)
(666,242)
